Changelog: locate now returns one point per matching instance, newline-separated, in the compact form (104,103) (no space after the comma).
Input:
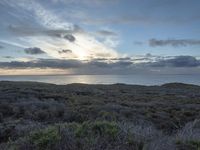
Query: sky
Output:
(99,37)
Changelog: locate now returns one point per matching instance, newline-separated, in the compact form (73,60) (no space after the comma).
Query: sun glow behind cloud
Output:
(35,71)
(84,46)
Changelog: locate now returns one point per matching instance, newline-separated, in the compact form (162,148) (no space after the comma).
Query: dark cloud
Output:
(122,64)
(7,57)
(65,51)
(106,33)
(148,55)
(111,65)
(34,51)
(179,61)
(1,47)
(122,59)
(173,42)
(64,64)
(179,64)
(70,37)
(42,63)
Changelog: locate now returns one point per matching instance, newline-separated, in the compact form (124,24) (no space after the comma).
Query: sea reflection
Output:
(108,79)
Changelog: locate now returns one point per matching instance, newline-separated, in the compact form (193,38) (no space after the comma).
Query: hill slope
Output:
(78,116)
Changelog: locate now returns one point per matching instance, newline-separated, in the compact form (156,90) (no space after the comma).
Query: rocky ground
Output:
(95,117)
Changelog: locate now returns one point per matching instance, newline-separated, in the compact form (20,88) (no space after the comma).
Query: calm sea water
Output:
(108,79)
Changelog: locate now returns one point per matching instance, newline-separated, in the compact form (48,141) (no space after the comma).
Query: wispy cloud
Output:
(109,37)
(54,33)
(90,3)
(12,43)
(135,20)
(106,33)
(173,42)
(38,31)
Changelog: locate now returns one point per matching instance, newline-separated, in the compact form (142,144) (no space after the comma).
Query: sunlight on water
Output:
(108,79)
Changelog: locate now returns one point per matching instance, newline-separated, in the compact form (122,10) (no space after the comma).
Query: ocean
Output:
(108,79)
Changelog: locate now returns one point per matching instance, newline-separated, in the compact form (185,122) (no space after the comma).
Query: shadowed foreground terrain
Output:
(39,116)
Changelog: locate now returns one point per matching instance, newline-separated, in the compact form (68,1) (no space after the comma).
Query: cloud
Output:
(69,37)
(1,47)
(108,37)
(42,63)
(34,51)
(173,42)
(65,51)
(110,65)
(106,33)
(131,19)
(11,43)
(49,30)
(90,3)
(45,17)
(176,65)
(178,61)
(64,64)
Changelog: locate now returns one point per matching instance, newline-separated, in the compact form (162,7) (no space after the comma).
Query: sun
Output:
(82,55)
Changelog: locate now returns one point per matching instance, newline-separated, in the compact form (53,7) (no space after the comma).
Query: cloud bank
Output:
(117,66)
(178,61)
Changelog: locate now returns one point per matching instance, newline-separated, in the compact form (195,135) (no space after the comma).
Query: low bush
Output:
(73,136)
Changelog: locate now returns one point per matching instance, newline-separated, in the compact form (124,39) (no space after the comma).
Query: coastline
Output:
(108,79)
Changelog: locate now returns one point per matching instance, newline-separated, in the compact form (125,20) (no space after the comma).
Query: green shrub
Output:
(101,128)
(45,138)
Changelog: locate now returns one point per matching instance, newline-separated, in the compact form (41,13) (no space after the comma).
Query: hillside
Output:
(110,117)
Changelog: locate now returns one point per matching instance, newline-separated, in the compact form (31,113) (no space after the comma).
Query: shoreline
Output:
(108,79)
(100,84)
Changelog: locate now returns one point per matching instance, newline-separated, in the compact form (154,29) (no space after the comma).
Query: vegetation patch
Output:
(99,128)
(190,144)
(45,138)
